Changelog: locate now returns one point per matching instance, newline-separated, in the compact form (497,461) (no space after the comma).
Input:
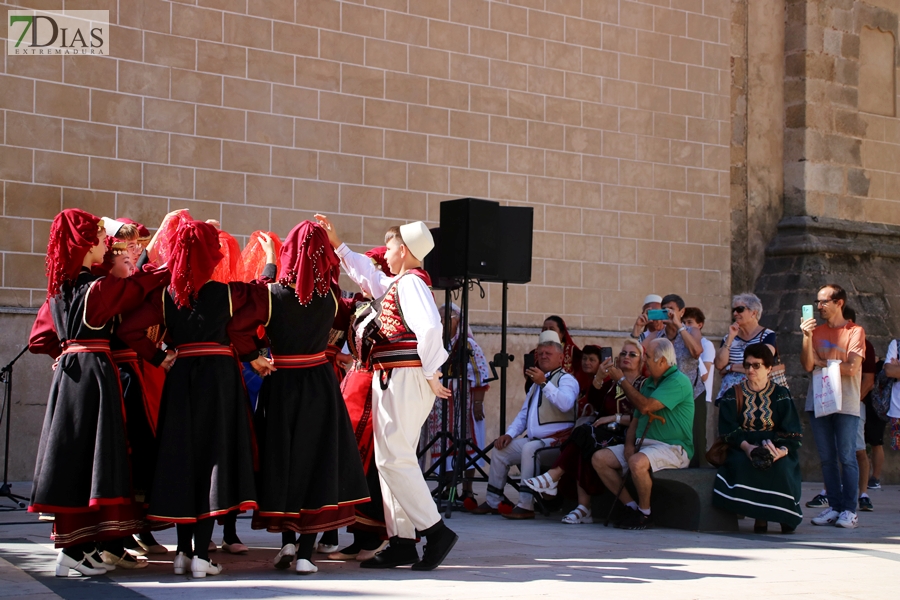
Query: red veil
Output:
(230,268)
(165,238)
(253,258)
(308,261)
(193,258)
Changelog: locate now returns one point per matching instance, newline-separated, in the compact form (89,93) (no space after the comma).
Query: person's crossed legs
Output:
(519,452)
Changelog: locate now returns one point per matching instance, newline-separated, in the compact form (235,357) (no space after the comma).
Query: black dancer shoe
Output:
(401,551)
(440,540)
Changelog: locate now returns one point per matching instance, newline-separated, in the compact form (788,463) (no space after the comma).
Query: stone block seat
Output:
(681,499)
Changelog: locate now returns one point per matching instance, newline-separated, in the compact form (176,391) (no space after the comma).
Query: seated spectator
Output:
(746,310)
(572,472)
(590,364)
(686,341)
(571,352)
(546,418)
(643,325)
(666,444)
(761,475)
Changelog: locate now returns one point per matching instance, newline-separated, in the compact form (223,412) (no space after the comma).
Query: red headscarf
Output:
(72,235)
(230,267)
(194,256)
(143,232)
(254,257)
(377,256)
(309,261)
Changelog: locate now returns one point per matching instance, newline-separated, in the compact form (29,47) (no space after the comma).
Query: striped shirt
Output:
(736,352)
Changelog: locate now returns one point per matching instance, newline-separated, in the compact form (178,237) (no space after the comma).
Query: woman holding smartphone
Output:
(746,311)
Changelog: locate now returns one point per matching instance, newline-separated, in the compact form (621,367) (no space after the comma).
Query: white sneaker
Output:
(304,567)
(64,562)
(285,557)
(847,520)
(182,563)
(826,517)
(201,568)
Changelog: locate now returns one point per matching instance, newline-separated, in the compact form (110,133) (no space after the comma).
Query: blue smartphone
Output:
(657,314)
(807,311)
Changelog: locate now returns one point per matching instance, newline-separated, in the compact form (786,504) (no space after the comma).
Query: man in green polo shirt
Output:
(667,393)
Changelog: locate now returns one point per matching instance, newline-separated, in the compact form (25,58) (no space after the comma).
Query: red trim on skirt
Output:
(93,505)
(243,506)
(315,520)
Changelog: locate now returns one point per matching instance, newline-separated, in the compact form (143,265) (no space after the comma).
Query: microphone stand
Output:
(5,488)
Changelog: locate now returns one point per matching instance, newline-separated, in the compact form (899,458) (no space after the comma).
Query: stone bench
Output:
(681,499)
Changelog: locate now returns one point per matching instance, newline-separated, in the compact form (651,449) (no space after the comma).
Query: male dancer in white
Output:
(406,380)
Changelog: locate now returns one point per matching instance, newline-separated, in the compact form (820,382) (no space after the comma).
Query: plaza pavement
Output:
(496,558)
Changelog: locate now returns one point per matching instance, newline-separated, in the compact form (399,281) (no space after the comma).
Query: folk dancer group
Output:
(148,423)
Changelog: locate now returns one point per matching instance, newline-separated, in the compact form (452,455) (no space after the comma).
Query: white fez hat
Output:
(652,298)
(112,226)
(549,336)
(417,238)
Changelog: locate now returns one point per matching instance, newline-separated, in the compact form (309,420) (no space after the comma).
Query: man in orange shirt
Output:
(835,434)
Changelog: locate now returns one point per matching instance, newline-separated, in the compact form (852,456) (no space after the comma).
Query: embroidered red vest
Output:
(399,348)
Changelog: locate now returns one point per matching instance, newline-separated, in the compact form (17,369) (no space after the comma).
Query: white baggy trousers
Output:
(399,412)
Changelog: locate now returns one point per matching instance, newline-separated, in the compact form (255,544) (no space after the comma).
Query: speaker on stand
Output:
(478,240)
(516,229)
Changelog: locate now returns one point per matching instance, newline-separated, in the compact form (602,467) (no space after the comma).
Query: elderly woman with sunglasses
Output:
(746,311)
(761,474)
(611,419)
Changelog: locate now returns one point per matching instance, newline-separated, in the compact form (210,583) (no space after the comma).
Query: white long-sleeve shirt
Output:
(562,397)
(415,299)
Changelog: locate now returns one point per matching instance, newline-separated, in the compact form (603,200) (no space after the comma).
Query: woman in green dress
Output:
(761,475)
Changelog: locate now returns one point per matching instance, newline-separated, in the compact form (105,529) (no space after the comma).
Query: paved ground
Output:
(496,558)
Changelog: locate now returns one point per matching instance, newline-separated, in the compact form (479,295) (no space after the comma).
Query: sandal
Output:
(581,514)
(542,484)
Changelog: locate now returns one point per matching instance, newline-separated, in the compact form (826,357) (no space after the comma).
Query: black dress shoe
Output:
(400,552)
(437,547)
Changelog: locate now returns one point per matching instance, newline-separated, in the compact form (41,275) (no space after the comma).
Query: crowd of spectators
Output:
(610,416)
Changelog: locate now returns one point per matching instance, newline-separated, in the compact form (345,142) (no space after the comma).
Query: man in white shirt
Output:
(407,355)
(546,416)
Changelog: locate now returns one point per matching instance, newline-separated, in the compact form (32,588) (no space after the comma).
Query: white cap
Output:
(652,298)
(112,226)
(549,336)
(417,238)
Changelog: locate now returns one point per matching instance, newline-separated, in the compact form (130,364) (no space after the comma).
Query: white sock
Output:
(633,505)
(864,495)
(645,511)
(823,493)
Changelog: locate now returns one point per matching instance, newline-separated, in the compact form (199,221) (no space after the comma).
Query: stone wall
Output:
(610,118)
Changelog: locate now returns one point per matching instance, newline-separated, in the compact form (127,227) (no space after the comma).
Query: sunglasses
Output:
(623,354)
(754,366)
(738,309)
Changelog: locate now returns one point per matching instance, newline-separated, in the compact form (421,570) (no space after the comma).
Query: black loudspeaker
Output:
(470,242)
(514,230)
(432,264)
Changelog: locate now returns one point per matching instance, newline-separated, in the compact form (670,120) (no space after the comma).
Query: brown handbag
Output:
(719,450)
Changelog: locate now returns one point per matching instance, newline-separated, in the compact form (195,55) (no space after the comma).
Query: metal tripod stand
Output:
(5,488)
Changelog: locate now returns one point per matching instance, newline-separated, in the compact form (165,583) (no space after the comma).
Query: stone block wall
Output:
(609,117)
(842,142)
